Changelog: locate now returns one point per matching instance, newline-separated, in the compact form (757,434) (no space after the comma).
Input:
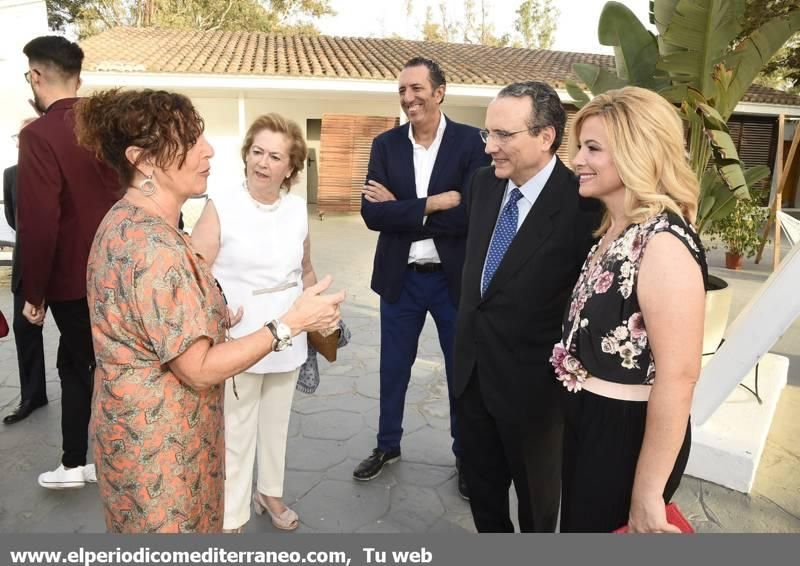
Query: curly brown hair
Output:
(165,125)
(298,151)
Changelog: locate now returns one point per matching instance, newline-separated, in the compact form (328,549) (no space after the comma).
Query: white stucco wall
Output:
(222,130)
(221,116)
(302,110)
(229,104)
(219,122)
(20,21)
(472,115)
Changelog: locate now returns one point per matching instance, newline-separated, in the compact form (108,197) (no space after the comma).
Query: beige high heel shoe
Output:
(236,531)
(286,521)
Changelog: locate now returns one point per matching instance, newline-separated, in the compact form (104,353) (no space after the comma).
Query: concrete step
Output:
(727,448)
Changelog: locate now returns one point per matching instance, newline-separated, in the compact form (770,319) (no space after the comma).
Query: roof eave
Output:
(765,108)
(239,83)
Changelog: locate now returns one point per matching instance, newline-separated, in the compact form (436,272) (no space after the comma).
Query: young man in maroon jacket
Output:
(64,192)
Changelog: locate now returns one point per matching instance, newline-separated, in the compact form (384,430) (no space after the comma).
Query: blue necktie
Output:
(504,234)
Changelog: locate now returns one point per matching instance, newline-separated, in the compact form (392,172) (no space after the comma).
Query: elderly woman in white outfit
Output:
(256,239)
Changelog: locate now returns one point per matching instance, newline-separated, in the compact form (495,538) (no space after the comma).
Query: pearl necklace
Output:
(263,206)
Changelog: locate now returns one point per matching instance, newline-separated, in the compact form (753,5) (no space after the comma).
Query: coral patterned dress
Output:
(158,444)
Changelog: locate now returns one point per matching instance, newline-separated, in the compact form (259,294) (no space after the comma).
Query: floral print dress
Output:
(158,443)
(604,333)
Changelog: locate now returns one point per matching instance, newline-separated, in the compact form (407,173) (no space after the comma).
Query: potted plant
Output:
(739,231)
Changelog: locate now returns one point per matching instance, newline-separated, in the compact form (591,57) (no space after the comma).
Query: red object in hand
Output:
(674,517)
(3,326)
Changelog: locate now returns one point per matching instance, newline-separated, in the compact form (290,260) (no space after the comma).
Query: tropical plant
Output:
(740,231)
(697,63)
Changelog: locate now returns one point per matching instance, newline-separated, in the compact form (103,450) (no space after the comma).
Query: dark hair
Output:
(547,109)
(164,124)
(435,72)
(64,55)
(298,150)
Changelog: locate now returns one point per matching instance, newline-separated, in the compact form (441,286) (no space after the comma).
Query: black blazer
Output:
(509,333)
(10,209)
(400,222)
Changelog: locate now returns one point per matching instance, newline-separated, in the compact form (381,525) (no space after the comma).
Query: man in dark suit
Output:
(27,336)
(414,197)
(63,193)
(529,233)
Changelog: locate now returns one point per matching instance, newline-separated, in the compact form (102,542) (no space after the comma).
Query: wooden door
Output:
(345,143)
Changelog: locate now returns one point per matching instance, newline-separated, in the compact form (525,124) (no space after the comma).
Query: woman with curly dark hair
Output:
(159,322)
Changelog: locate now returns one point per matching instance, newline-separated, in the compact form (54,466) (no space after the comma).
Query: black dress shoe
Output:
(373,466)
(22,411)
(462,481)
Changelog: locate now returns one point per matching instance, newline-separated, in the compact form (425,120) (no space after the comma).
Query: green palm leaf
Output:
(577,93)
(717,200)
(726,158)
(754,52)
(597,79)
(696,38)
(635,48)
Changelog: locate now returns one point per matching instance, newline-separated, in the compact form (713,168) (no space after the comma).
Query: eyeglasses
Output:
(28,75)
(502,137)
(15,138)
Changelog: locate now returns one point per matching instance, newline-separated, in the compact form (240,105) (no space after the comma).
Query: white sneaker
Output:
(89,473)
(61,478)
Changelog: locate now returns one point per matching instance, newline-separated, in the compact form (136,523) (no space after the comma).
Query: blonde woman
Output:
(256,238)
(630,353)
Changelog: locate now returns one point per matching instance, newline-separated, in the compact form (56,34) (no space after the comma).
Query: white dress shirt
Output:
(530,190)
(424,251)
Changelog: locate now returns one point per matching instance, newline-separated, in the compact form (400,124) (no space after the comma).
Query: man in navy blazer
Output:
(414,196)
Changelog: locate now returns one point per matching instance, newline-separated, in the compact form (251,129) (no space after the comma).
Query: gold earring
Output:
(147,186)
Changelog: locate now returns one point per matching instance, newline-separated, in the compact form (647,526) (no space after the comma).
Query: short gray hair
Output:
(547,107)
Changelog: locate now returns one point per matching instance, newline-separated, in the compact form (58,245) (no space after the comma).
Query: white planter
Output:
(718,308)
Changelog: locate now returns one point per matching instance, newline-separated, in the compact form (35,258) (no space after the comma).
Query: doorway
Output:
(313,130)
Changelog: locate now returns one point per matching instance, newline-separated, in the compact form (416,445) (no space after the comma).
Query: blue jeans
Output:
(401,325)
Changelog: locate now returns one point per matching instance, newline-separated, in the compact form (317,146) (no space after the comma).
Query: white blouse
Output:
(259,265)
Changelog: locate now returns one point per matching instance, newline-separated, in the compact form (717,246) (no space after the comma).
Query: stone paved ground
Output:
(332,430)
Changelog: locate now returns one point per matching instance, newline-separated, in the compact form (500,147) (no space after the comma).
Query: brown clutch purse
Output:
(326,342)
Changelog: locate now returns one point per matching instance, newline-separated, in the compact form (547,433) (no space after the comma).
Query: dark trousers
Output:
(401,325)
(30,355)
(497,452)
(75,364)
(602,441)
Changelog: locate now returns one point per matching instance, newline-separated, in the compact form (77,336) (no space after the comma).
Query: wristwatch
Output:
(282,335)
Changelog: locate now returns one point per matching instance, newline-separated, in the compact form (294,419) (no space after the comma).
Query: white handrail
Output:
(790,226)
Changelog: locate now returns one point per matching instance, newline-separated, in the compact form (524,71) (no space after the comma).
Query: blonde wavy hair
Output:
(646,139)
(298,150)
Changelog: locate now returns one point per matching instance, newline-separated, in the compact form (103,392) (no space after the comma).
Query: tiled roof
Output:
(261,54)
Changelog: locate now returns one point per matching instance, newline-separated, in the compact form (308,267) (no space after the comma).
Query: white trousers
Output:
(256,424)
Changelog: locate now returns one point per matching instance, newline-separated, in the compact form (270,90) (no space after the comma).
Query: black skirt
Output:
(602,440)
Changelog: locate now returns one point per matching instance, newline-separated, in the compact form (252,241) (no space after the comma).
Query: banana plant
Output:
(717,200)
(695,63)
(635,56)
